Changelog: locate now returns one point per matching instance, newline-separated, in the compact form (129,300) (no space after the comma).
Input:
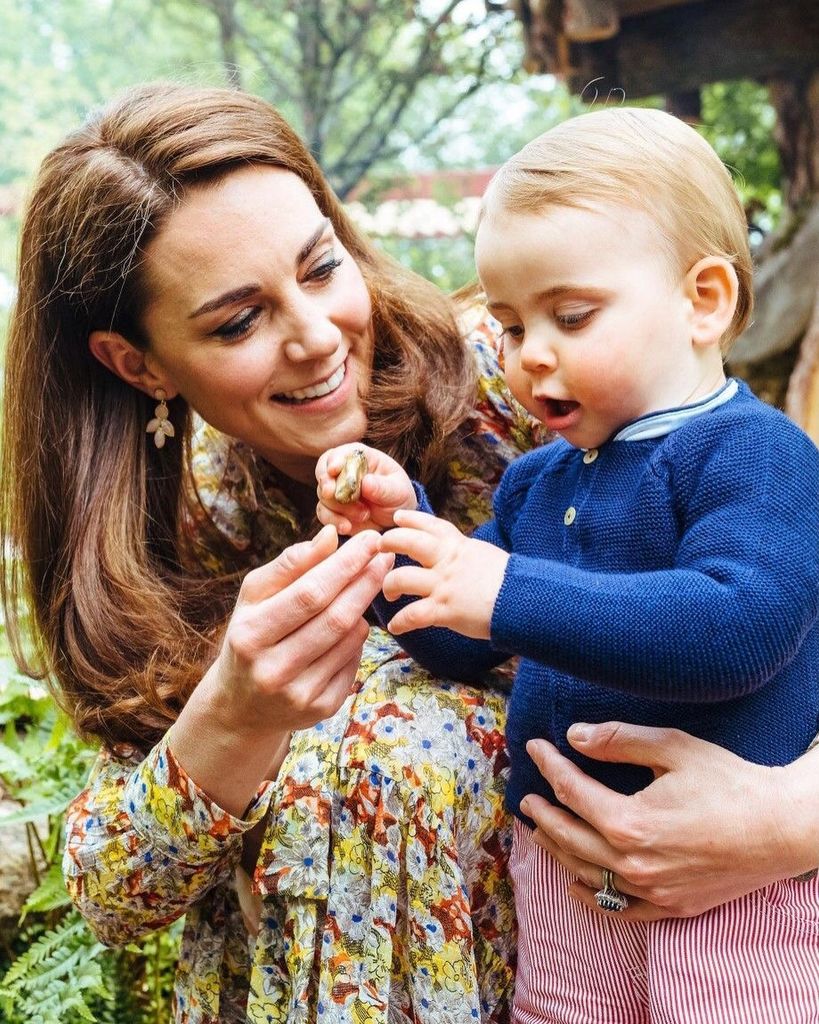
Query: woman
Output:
(182,252)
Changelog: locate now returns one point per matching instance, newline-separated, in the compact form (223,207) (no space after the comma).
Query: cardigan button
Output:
(590,456)
(569,515)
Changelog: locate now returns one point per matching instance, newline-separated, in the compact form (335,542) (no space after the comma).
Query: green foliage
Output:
(738,121)
(51,982)
(56,971)
(447,262)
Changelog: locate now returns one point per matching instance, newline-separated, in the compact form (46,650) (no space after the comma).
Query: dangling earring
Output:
(161,427)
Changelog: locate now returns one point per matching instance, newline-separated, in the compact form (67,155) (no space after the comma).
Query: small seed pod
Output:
(348,484)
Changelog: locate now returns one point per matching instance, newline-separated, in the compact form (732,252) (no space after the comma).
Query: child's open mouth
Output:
(558,409)
(559,414)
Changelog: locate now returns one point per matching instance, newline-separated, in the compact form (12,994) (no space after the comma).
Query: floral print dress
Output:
(381,880)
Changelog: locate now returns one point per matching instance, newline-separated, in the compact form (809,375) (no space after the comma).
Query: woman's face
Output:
(260,318)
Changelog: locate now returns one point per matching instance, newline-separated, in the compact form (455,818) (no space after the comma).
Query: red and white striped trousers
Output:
(754,960)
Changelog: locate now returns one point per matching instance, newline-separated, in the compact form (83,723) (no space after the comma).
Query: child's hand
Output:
(385,487)
(458,579)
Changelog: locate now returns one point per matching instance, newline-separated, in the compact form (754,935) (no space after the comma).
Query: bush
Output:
(54,970)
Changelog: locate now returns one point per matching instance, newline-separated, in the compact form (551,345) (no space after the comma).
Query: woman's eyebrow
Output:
(245,291)
(313,241)
(226,299)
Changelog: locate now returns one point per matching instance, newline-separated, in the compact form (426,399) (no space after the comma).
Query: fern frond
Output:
(49,895)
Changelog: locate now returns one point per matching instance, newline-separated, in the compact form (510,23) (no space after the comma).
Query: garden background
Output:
(408,105)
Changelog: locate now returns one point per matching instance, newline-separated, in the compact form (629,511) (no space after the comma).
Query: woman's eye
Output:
(574,320)
(324,271)
(239,326)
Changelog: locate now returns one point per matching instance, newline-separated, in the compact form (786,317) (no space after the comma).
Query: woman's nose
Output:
(309,331)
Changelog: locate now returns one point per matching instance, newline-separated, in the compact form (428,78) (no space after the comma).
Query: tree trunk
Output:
(779,353)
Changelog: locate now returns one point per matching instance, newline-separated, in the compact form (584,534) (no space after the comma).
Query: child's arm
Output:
(733,610)
(467,574)
(384,487)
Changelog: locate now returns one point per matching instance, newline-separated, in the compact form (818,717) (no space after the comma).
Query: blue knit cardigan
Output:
(682,589)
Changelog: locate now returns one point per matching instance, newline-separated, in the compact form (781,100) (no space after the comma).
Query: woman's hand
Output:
(288,659)
(710,828)
(457,578)
(385,488)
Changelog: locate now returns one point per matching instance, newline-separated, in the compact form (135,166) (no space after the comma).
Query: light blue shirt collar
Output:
(658,424)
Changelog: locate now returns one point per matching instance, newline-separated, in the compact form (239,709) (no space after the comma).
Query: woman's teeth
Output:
(316,390)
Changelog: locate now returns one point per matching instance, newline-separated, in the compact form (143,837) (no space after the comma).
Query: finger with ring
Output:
(608,897)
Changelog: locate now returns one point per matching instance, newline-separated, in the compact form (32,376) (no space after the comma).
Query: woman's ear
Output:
(713,289)
(128,362)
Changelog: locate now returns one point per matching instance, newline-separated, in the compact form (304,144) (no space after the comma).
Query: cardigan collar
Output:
(658,424)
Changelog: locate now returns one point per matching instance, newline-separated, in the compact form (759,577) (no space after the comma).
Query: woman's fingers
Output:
(297,636)
(322,686)
(591,800)
(658,749)
(289,566)
(274,611)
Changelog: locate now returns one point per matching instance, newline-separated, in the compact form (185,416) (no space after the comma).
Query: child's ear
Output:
(713,289)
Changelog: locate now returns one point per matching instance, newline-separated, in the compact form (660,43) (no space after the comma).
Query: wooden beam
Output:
(678,49)
(629,8)
(586,21)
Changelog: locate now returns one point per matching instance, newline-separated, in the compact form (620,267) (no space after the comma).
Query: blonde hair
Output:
(92,515)
(647,160)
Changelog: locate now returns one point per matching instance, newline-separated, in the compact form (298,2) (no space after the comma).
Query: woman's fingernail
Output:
(579,733)
(526,807)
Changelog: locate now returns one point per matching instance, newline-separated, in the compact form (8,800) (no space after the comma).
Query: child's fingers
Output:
(331,461)
(415,544)
(387,491)
(425,522)
(356,511)
(327,518)
(407,580)
(418,615)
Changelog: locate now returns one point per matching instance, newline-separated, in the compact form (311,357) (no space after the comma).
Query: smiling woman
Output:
(185,266)
(272,340)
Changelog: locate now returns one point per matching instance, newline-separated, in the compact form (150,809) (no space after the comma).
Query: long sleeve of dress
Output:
(144,843)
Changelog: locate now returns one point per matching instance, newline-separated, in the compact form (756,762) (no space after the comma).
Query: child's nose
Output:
(538,354)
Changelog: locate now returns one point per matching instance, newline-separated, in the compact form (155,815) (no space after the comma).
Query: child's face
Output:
(597,322)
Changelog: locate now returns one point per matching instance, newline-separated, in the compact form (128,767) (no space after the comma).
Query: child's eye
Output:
(237,328)
(512,333)
(574,320)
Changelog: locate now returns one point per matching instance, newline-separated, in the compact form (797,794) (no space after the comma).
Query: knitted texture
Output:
(684,592)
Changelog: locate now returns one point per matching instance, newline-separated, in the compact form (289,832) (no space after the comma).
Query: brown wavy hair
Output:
(92,513)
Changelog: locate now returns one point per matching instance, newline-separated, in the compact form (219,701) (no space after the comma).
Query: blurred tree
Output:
(369,83)
(362,80)
(738,120)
